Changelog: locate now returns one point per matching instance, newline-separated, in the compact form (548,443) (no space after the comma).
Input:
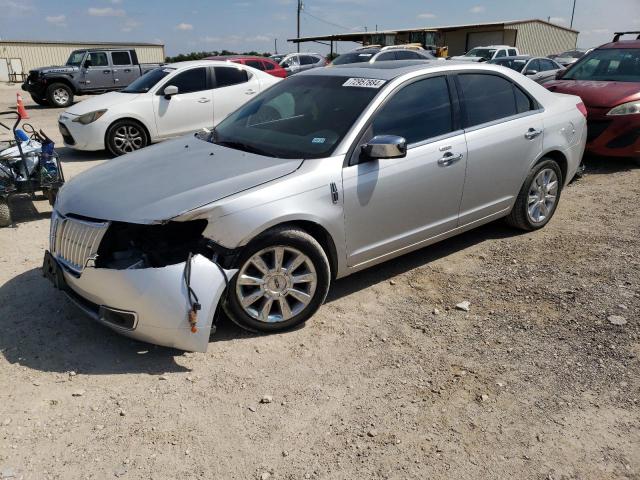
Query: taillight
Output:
(583,110)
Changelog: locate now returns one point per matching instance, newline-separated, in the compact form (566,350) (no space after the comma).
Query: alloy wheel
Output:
(128,138)
(276,284)
(543,195)
(61,96)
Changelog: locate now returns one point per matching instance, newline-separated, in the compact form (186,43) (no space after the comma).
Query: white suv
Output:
(490,52)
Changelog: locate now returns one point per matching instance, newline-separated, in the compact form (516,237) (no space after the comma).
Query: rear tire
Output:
(637,161)
(43,102)
(5,214)
(283,280)
(125,136)
(59,95)
(538,198)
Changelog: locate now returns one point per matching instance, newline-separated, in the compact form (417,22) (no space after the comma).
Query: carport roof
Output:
(355,36)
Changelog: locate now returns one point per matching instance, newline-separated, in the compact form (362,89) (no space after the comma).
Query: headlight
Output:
(629,108)
(90,117)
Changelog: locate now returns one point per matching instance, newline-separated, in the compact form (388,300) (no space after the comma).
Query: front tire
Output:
(5,214)
(59,95)
(126,136)
(538,198)
(283,279)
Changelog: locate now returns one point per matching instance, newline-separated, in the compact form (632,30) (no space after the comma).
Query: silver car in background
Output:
(322,175)
(538,69)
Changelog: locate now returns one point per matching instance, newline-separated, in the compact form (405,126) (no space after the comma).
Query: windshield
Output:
(75,59)
(353,57)
(516,64)
(147,81)
(301,117)
(486,53)
(277,58)
(608,64)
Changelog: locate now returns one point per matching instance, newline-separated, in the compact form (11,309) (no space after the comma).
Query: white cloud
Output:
(184,26)
(426,15)
(558,20)
(129,25)
(58,20)
(106,12)
(477,9)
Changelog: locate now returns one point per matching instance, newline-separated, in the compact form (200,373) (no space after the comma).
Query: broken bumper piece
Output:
(149,304)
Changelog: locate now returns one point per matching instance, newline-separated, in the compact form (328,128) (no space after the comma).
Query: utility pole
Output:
(276,45)
(573,13)
(299,10)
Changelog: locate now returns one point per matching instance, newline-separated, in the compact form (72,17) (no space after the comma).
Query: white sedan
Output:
(168,101)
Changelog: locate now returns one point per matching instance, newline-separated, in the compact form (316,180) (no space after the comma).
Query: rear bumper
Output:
(614,136)
(149,304)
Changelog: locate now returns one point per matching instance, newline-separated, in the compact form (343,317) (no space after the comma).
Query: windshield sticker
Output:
(318,140)
(364,83)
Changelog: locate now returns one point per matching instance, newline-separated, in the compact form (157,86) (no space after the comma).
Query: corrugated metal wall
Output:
(537,38)
(44,54)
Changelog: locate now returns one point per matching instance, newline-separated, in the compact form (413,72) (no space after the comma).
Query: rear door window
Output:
(513,52)
(404,55)
(418,112)
(488,98)
(501,53)
(546,65)
(534,65)
(269,66)
(227,76)
(255,64)
(120,58)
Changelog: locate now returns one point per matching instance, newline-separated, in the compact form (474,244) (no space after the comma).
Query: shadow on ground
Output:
(42,330)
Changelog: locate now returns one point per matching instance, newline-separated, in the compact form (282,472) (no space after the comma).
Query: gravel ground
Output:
(540,379)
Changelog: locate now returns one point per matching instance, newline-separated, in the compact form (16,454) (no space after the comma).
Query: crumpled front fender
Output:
(159,299)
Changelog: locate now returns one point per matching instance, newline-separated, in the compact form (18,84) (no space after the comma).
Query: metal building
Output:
(17,57)
(533,37)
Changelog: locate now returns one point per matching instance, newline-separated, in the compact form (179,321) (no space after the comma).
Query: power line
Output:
(325,21)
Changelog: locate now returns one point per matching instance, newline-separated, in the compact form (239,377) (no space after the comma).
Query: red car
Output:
(261,63)
(608,81)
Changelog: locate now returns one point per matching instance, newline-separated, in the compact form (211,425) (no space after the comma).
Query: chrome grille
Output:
(73,241)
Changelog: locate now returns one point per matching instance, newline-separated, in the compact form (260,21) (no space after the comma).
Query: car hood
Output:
(99,102)
(56,69)
(597,93)
(163,181)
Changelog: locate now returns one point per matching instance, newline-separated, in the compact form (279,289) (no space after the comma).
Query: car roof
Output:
(391,70)
(196,63)
(621,44)
(237,57)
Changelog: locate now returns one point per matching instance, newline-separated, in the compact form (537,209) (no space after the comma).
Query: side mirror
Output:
(87,63)
(530,72)
(385,146)
(170,91)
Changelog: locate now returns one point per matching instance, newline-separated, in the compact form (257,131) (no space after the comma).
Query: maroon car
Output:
(608,81)
(261,63)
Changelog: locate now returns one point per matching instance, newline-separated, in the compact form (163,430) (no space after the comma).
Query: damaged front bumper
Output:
(148,304)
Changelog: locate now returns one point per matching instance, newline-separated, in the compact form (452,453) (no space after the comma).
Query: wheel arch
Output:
(317,231)
(560,159)
(64,80)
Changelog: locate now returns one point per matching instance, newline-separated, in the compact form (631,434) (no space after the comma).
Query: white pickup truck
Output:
(490,52)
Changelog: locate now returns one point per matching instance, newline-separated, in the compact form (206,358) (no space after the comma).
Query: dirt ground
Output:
(387,381)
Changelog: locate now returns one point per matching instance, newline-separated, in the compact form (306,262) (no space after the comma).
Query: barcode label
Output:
(364,83)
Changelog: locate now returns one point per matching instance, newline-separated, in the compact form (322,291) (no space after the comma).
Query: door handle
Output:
(106,71)
(251,91)
(450,158)
(532,133)
(204,100)
(128,70)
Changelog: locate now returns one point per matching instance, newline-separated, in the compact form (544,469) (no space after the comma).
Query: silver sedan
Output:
(324,174)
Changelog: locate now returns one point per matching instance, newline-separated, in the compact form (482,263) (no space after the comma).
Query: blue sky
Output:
(240,25)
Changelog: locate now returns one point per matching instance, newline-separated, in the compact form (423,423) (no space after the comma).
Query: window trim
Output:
(537,107)
(456,117)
